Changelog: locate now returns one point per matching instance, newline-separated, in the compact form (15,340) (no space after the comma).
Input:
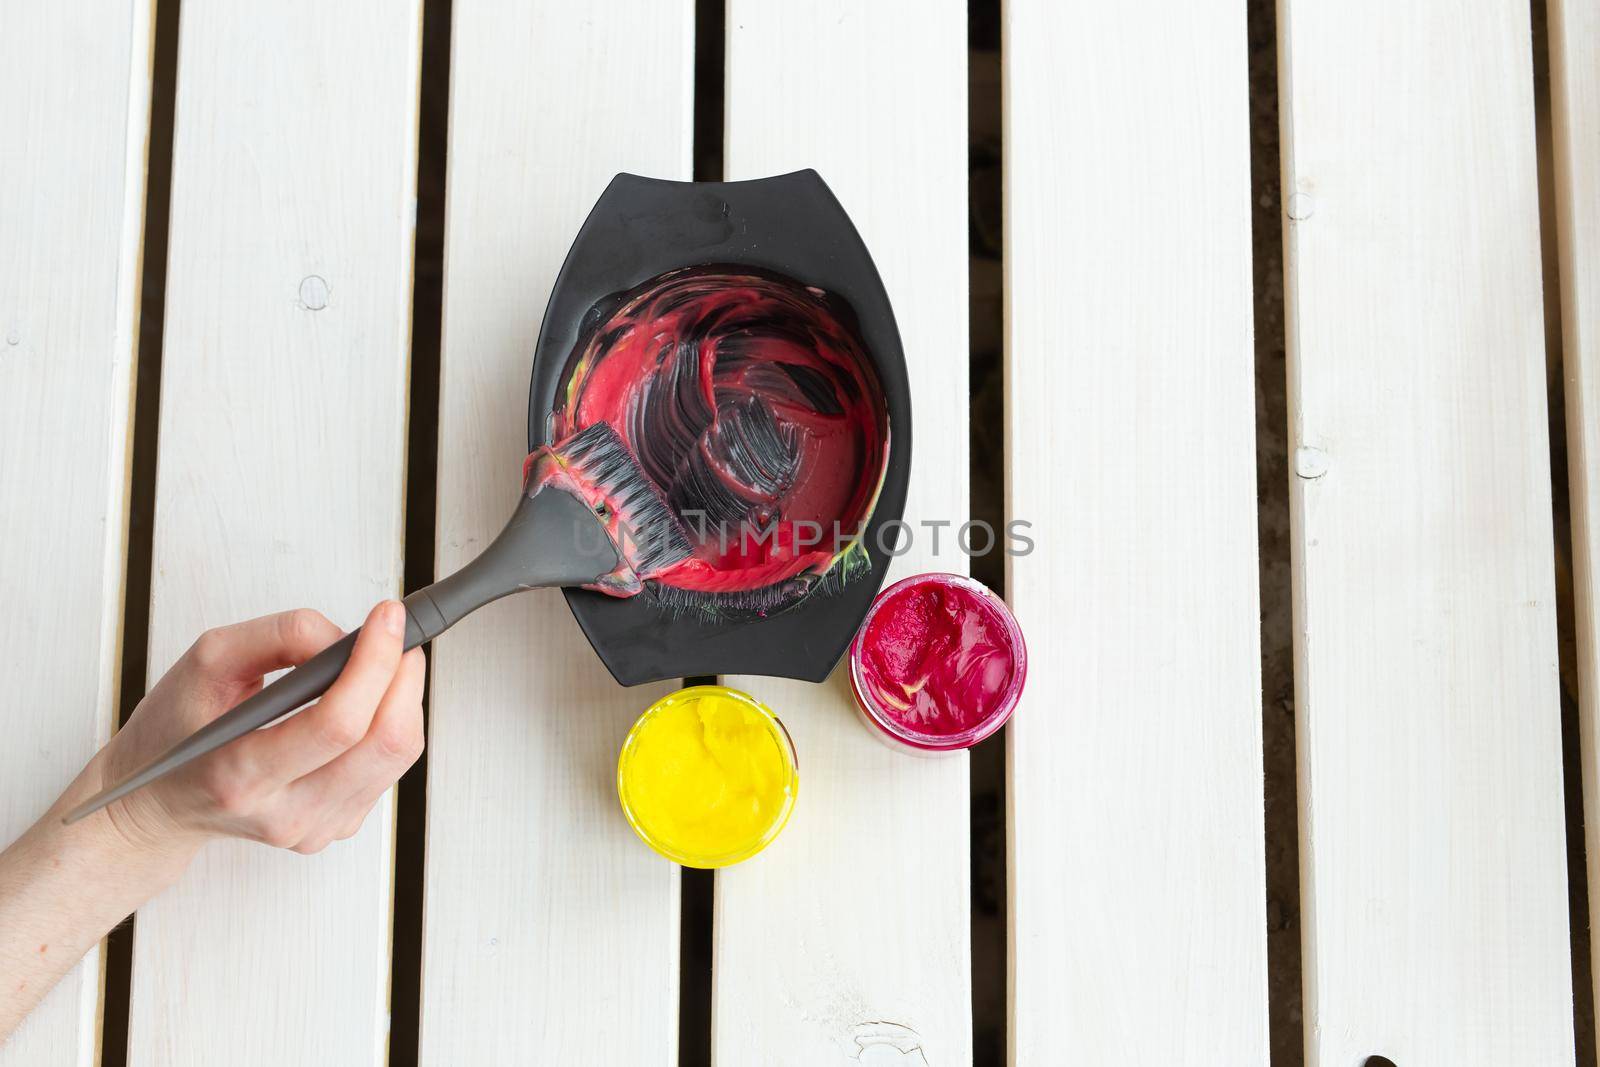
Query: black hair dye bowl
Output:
(738,337)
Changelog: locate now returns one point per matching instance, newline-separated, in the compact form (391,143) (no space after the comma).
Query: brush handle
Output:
(542,545)
(298,687)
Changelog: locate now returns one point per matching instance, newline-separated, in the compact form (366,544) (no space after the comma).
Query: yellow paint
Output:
(707,776)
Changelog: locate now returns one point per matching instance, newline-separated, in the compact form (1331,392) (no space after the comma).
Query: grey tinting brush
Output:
(587,516)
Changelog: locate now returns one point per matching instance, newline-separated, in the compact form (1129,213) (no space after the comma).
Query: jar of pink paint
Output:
(937,665)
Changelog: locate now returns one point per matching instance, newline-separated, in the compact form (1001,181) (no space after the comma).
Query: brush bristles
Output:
(765,600)
(653,539)
(734,604)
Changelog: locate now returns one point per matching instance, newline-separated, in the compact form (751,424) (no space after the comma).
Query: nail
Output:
(394,617)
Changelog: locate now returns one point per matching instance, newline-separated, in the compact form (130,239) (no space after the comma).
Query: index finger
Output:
(244,651)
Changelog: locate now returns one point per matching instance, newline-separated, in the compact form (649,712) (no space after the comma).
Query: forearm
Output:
(62,888)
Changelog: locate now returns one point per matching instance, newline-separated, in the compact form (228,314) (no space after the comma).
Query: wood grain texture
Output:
(280,483)
(75,108)
(548,925)
(848,939)
(1432,842)
(1575,125)
(1138,933)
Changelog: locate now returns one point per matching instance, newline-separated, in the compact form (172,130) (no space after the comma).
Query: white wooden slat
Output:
(75,105)
(280,483)
(1432,842)
(1575,111)
(848,939)
(1138,933)
(551,932)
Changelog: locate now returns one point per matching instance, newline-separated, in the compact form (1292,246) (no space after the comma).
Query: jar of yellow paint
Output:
(707,776)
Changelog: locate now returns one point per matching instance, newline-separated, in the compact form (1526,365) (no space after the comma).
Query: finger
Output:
(337,722)
(392,745)
(354,822)
(353,781)
(243,652)
(353,816)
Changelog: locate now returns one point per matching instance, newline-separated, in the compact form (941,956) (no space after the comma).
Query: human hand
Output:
(299,784)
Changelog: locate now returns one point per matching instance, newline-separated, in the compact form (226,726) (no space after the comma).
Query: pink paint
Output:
(938,664)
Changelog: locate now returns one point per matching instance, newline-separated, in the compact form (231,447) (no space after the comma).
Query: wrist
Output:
(63,887)
(129,835)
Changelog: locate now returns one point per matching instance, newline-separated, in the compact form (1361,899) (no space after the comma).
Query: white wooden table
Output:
(1434,882)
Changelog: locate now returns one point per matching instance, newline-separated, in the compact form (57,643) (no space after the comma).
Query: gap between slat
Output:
(696,917)
(986,767)
(697,891)
(422,464)
(1286,1031)
(1560,498)
(132,680)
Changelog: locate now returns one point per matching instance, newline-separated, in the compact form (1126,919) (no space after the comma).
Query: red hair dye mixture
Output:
(939,663)
(756,412)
